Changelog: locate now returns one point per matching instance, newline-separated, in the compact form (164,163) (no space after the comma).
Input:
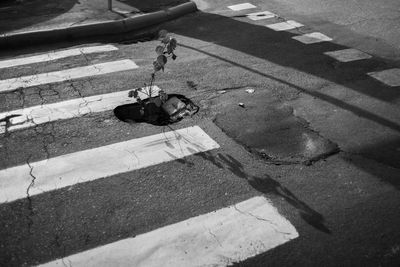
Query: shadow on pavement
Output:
(265,185)
(279,48)
(152,5)
(47,14)
(16,15)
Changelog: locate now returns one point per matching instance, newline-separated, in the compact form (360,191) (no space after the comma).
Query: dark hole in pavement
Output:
(153,114)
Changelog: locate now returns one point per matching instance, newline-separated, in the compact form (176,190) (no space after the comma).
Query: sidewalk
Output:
(33,15)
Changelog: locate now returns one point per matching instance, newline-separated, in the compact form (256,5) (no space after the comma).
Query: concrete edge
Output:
(96,29)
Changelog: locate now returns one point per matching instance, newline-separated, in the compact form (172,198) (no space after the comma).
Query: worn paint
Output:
(92,164)
(64,75)
(218,238)
(285,26)
(348,55)
(311,38)
(36,115)
(390,77)
(54,55)
(243,6)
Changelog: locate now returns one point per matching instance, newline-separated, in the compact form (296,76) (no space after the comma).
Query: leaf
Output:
(162,60)
(166,40)
(160,50)
(173,43)
(171,46)
(162,34)
(156,66)
(174,56)
(135,94)
(139,89)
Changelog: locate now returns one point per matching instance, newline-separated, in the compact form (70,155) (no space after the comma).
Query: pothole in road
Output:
(152,111)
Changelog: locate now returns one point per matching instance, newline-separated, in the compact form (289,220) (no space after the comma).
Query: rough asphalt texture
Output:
(345,204)
(31,15)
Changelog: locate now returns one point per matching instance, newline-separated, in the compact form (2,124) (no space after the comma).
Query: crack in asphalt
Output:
(84,104)
(22,96)
(28,196)
(84,55)
(214,236)
(275,226)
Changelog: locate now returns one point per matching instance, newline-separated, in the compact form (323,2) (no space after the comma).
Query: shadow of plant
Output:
(264,184)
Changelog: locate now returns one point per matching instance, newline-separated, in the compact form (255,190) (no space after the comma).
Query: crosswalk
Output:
(221,237)
(388,77)
(218,238)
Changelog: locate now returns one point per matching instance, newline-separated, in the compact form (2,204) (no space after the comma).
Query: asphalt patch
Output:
(268,127)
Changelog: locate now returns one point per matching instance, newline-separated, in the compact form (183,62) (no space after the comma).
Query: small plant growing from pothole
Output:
(156,103)
(158,98)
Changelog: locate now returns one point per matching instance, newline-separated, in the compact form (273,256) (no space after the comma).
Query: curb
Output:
(96,29)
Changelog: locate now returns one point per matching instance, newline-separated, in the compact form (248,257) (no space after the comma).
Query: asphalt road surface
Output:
(305,172)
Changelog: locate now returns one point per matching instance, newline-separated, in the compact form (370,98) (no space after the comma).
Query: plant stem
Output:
(151,83)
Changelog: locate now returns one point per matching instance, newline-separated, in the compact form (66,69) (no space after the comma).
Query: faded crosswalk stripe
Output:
(33,116)
(218,238)
(243,6)
(312,38)
(68,74)
(96,163)
(54,55)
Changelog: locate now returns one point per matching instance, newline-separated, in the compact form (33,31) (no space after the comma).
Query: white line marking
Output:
(347,55)
(311,38)
(69,74)
(33,116)
(2,127)
(218,238)
(241,6)
(54,55)
(96,163)
(261,15)
(285,26)
(390,77)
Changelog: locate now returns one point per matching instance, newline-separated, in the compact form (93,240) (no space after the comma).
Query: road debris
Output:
(250,90)
(241,105)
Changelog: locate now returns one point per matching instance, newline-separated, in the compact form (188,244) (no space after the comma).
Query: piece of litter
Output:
(221,92)
(250,91)
(241,105)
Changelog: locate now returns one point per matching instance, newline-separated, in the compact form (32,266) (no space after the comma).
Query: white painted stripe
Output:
(311,38)
(54,55)
(390,77)
(285,26)
(219,238)
(2,127)
(261,15)
(33,116)
(92,164)
(241,6)
(347,55)
(69,74)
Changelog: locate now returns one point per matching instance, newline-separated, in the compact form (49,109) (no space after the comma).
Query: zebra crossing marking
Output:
(33,116)
(218,238)
(261,15)
(390,77)
(54,55)
(348,55)
(311,38)
(92,164)
(285,26)
(68,74)
(243,6)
